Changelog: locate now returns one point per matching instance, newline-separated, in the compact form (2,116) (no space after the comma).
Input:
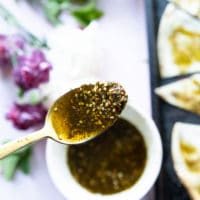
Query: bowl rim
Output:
(139,189)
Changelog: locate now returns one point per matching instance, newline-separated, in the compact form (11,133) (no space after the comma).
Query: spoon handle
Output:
(13,146)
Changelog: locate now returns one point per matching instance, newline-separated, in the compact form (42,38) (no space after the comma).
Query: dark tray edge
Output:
(154,79)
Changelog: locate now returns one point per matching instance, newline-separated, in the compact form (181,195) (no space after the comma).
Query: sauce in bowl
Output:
(110,163)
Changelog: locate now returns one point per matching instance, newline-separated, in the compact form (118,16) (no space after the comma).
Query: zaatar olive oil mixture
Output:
(189,99)
(111,162)
(86,111)
(191,157)
(186,47)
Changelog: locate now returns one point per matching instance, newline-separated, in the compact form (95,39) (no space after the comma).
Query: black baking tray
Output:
(168,186)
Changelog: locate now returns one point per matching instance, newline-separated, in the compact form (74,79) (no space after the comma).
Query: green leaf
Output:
(24,163)
(84,11)
(53,9)
(20,92)
(18,160)
(10,19)
(87,13)
(79,1)
(9,166)
(34,99)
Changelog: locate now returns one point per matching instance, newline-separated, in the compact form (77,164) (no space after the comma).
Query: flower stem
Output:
(31,39)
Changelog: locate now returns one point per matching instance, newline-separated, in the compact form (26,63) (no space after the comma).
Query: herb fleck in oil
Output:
(86,111)
(110,163)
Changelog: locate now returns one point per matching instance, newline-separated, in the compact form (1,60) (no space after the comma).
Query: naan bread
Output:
(178,43)
(186,156)
(184,93)
(190,6)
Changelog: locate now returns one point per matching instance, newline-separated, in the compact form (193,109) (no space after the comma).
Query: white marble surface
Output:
(123,36)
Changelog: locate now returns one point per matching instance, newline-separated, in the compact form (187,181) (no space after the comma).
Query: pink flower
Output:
(26,116)
(32,70)
(9,44)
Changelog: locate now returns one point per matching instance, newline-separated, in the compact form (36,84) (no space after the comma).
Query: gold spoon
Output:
(77,116)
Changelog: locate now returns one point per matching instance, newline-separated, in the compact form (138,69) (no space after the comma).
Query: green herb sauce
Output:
(110,163)
(86,111)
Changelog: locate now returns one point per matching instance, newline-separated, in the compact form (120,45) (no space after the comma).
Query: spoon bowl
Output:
(77,116)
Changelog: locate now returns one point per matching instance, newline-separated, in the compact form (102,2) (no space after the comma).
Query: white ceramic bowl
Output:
(66,184)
